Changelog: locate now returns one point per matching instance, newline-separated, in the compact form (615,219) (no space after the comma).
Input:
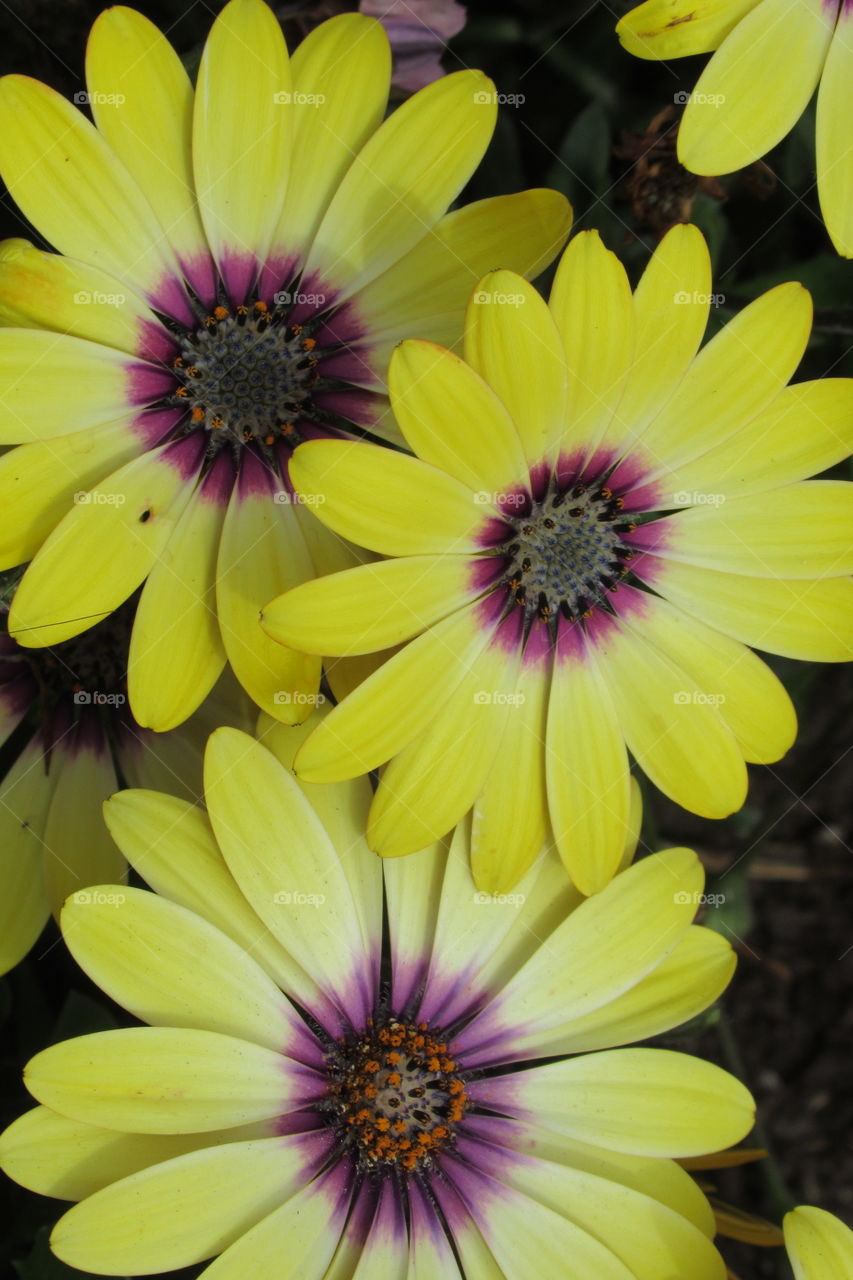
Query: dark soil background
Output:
(597,124)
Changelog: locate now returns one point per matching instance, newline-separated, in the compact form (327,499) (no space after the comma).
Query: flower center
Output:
(89,670)
(566,553)
(245,376)
(395,1095)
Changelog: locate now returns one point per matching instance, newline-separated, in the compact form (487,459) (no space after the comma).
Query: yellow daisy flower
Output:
(770,56)
(820,1246)
(235,264)
(600,517)
(370,1070)
(66,724)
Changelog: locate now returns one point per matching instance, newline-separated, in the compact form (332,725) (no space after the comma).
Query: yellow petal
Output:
(261,553)
(162,1080)
(384,500)
(806,429)
(591,303)
(733,378)
(671,305)
(78,849)
(176,653)
(142,102)
(649,1102)
(820,1246)
(403,180)
(587,769)
(39,481)
(799,619)
(74,189)
(24,800)
(100,552)
(41,290)
(133,943)
(756,86)
(677,28)
(341,76)
(371,607)
(54,384)
(682,743)
(182,1211)
(834,158)
(803,531)
(511,340)
(453,420)
(241,155)
(510,819)
(434,780)
(392,706)
(424,295)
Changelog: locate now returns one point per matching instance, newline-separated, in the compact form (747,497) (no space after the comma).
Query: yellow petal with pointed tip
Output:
(820,1246)
(101,551)
(142,103)
(403,180)
(511,340)
(70,184)
(834,158)
(78,848)
(741,108)
(162,1080)
(241,158)
(384,500)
